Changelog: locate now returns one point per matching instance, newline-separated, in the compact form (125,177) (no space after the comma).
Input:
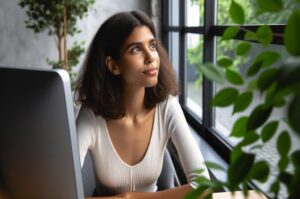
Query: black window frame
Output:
(204,126)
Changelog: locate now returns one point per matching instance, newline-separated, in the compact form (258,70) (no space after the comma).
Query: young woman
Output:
(129,111)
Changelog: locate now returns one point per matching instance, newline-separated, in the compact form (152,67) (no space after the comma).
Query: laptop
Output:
(39,156)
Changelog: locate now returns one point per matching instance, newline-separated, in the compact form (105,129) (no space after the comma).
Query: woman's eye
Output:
(153,46)
(135,49)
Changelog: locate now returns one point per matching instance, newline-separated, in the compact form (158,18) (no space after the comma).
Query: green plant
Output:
(59,19)
(278,83)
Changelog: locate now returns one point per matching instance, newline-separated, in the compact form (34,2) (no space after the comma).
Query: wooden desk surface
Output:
(238,195)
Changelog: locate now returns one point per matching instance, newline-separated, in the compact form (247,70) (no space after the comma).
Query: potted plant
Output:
(59,19)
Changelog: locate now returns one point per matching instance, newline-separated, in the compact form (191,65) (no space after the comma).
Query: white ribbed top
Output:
(113,175)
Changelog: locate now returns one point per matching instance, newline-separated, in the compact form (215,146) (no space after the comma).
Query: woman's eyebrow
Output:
(138,43)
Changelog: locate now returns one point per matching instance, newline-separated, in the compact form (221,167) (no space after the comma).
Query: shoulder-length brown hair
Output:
(97,88)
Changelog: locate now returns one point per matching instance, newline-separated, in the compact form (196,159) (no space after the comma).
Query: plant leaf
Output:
(264,35)
(239,169)
(268,58)
(258,117)
(236,12)
(229,33)
(260,171)
(296,158)
(283,163)
(234,77)
(242,102)
(267,78)
(294,113)
(250,36)
(225,97)
(291,34)
(243,48)
(250,138)
(213,165)
(254,68)
(225,61)
(283,143)
(212,72)
(269,130)
(239,127)
(271,5)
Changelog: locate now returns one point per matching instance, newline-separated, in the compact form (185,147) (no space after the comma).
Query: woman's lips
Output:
(151,72)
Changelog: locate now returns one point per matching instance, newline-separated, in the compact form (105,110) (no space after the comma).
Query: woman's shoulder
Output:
(170,103)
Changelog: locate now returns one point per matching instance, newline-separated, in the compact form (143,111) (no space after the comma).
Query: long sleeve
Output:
(189,153)
(86,128)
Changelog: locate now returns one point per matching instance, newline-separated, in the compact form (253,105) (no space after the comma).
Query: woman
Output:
(129,111)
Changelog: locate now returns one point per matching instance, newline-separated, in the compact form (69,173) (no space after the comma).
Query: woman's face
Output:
(139,61)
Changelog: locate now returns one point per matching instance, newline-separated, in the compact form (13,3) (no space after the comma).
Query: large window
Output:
(200,25)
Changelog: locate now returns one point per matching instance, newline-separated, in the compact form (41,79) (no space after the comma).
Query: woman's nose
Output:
(148,57)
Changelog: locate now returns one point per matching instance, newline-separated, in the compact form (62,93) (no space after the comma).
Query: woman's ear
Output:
(112,65)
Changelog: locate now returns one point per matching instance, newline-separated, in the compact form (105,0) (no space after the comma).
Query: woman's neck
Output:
(134,103)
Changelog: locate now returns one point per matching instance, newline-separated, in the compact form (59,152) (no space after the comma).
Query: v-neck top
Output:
(113,175)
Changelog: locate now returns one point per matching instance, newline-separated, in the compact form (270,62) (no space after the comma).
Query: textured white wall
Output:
(20,47)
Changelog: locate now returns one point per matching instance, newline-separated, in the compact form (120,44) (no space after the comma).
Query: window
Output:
(198,28)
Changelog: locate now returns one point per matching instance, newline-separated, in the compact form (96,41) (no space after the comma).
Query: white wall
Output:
(20,47)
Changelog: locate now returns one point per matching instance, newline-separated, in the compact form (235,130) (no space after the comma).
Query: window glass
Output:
(194,12)
(173,50)
(252,16)
(194,78)
(224,119)
(174,13)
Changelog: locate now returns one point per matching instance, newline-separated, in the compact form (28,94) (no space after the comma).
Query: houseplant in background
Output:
(58,18)
(279,85)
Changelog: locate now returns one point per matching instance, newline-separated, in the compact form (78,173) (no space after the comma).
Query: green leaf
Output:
(212,72)
(225,61)
(230,33)
(250,36)
(237,13)
(212,165)
(275,188)
(291,34)
(234,77)
(243,48)
(286,178)
(254,68)
(239,127)
(296,158)
(294,114)
(239,169)
(260,171)
(252,85)
(250,138)
(264,35)
(242,102)
(271,5)
(258,117)
(283,143)
(235,154)
(283,163)
(269,130)
(225,97)
(267,78)
(268,58)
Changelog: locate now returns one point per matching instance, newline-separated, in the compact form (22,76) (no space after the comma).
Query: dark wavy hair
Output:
(97,88)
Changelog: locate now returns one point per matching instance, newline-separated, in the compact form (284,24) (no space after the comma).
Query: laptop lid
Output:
(39,156)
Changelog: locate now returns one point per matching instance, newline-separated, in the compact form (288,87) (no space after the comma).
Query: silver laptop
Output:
(39,156)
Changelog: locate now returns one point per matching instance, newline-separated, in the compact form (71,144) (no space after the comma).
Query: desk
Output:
(238,195)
